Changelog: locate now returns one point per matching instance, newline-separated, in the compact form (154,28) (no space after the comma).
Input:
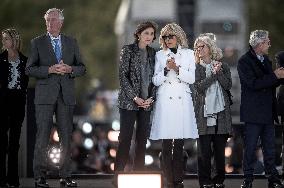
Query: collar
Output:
(260,58)
(168,51)
(52,37)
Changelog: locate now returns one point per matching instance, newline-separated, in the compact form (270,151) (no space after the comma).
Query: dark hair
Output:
(143,26)
(280,58)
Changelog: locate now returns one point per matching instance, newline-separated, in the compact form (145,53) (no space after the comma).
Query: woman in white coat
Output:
(173,117)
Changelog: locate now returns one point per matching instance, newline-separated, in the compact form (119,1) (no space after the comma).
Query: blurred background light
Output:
(115,125)
(112,153)
(55,136)
(88,143)
(148,144)
(54,154)
(87,128)
(112,166)
(228,151)
(148,160)
(113,136)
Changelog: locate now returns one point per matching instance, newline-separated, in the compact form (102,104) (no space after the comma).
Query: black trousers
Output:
(172,158)
(209,146)
(127,121)
(12,113)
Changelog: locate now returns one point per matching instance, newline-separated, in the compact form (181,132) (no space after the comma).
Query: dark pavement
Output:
(106,183)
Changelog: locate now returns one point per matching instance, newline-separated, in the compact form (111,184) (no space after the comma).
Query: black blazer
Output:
(4,71)
(130,75)
(258,84)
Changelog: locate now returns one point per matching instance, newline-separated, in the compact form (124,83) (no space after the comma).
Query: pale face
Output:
(170,41)
(53,23)
(203,50)
(7,41)
(264,46)
(146,37)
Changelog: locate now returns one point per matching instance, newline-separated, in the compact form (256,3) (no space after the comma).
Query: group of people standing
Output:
(188,92)
(170,95)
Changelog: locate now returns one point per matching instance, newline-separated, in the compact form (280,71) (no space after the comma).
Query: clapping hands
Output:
(172,65)
(217,66)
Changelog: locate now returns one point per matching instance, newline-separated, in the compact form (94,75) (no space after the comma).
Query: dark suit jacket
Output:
(258,84)
(42,57)
(130,76)
(4,71)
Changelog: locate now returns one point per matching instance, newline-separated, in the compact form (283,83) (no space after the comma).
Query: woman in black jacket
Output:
(136,95)
(13,86)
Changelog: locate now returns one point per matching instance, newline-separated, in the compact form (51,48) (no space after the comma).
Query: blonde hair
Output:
(15,37)
(176,30)
(215,51)
(212,36)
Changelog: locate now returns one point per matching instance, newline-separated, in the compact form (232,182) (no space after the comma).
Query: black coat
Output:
(130,75)
(258,87)
(4,71)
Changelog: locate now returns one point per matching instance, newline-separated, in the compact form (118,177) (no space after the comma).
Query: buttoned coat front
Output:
(174,116)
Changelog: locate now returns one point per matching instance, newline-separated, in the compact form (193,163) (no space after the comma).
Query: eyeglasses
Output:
(165,37)
(199,47)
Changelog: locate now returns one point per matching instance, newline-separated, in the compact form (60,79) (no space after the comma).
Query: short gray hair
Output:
(60,13)
(257,37)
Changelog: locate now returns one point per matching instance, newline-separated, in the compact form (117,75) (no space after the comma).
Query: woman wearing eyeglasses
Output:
(173,116)
(212,109)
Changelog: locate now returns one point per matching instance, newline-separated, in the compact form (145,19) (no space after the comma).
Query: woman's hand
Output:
(139,101)
(147,103)
(172,65)
(196,56)
(217,67)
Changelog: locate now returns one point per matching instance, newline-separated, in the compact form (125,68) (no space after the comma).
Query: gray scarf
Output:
(214,98)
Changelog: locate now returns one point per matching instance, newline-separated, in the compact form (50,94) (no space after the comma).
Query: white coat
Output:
(173,115)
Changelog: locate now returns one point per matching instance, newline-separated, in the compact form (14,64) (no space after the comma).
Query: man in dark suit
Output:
(258,107)
(55,61)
